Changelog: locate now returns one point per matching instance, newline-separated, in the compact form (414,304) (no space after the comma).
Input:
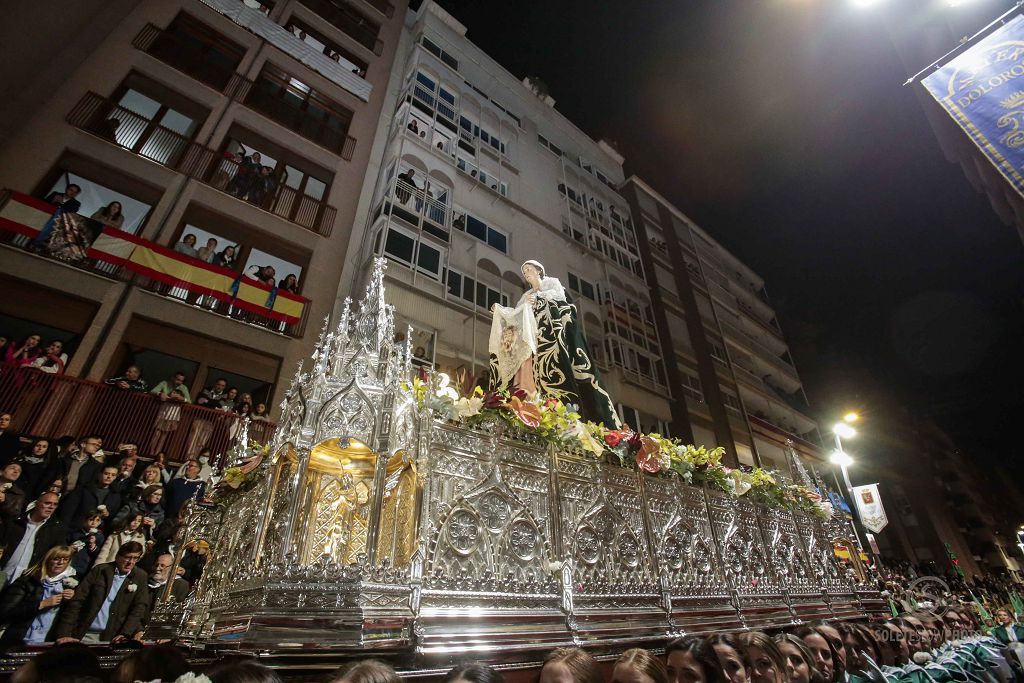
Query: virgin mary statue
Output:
(539,347)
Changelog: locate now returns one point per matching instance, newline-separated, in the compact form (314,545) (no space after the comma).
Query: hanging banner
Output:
(869,507)
(983,90)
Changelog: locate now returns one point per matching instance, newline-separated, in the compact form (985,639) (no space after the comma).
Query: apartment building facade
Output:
(480,173)
(163,105)
(734,382)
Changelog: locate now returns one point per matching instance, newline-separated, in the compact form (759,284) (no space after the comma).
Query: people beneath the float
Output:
(131,379)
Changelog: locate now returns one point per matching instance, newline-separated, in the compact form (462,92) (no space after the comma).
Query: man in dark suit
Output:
(158,582)
(1007,631)
(29,536)
(96,495)
(111,603)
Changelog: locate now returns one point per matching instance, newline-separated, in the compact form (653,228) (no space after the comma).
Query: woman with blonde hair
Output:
(639,666)
(29,605)
(571,663)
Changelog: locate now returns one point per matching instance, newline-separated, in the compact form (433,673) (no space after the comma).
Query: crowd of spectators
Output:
(88,537)
(930,647)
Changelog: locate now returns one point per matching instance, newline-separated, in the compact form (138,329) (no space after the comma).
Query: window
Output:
(348,21)
(415,254)
(472,225)
(468,289)
(318,41)
(193,47)
(718,353)
(692,386)
(582,287)
(732,403)
(400,246)
(297,106)
(436,50)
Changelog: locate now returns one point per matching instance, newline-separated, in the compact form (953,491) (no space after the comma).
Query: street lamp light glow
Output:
(864,3)
(841,458)
(851,417)
(844,430)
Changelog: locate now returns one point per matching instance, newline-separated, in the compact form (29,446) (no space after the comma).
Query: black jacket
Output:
(179,591)
(85,499)
(86,474)
(19,605)
(50,534)
(127,611)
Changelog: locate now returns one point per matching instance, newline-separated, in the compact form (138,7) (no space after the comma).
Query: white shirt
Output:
(22,555)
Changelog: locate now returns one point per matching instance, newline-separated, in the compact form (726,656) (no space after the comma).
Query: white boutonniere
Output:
(70,582)
(6,485)
(78,545)
(132,587)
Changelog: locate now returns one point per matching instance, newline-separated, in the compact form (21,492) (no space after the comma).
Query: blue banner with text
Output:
(983,90)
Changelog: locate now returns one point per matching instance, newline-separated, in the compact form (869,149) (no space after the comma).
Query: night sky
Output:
(783,129)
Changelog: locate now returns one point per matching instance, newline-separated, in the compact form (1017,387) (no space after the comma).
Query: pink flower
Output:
(647,457)
(528,413)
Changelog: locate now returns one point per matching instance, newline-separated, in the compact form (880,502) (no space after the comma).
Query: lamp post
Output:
(845,430)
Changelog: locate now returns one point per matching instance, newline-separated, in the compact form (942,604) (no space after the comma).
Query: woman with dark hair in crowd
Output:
(229,400)
(728,654)
(29,605)
(639,666)
(570,664)
(149,505)
(39,467)
(156,663)
(241,670)
(110,215)
(821,649)
(14,499)
(473,673)
(26,352)
(53,360)
(289,284)
(226,257)
(765,664)
(691,659)
(365,671)
(800,666)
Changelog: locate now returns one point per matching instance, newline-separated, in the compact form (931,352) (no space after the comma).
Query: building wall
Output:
(99,55)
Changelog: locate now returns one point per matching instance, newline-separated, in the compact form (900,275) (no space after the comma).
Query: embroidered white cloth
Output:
(513,338)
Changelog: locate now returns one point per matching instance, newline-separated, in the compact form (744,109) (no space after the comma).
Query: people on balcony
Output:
(208,252)
(248,168)
(263,274)
(187,246)
(226,257)
(262,187)
(165,387)
(211,396)
(261,413)
(28,537)
(66,203)
(53,360)
(26,352)
(403,193)
(131,379)
(30,605)
(289,284)
(110,215)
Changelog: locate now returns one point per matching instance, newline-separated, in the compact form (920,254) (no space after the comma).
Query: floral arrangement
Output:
(559,424)
(243,476)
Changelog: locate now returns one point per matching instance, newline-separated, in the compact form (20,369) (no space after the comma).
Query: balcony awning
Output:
(253,20)
(26,215)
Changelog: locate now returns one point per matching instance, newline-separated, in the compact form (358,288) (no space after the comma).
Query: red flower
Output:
(647,457)
(492,400)
(613,439)
(634,442)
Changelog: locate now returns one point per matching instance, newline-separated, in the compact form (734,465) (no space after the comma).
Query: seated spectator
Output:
(80,462)
(125,530)
(29,606)
(241,670)
(289,284)
(207,253)
(10,441)
(473,673)
(66,203)
(226,258)
(691,659)
(158,582)
(639,666)
(164,389)
(729,659)
(26,352)
(110,215)
(53,664)
(131,379)
(187,246)
(156,663)
(376,671)
(93,496)
(14,497)
(570,665)
(39,467)
(86,541)
(762,659)
(101,611)
(53,360)
(182,489)
(149,505)
(28,537)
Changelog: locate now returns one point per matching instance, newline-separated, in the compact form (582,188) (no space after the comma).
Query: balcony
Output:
(383,6)
(86,244)
(50,405)
(141,136)
(348,21)
(420,209)
(211,63)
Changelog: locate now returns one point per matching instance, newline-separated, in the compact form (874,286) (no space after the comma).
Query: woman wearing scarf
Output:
(29,605)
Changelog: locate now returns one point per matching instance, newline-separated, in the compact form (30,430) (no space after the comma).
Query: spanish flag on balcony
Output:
(27,215)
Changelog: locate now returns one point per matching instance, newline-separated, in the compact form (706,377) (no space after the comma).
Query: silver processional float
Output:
(390,515)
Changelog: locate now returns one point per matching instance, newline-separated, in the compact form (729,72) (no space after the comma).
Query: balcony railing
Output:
(86,244)
(189,57)
(348,22)
(385,7)
(51,405)
(142,136)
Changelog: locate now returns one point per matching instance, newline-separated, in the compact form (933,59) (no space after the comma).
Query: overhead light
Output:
(841,458)
(864,3)
(851,417)
(844,430)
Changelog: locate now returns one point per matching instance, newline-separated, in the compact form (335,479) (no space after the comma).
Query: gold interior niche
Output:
(340,485)
(397,536)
